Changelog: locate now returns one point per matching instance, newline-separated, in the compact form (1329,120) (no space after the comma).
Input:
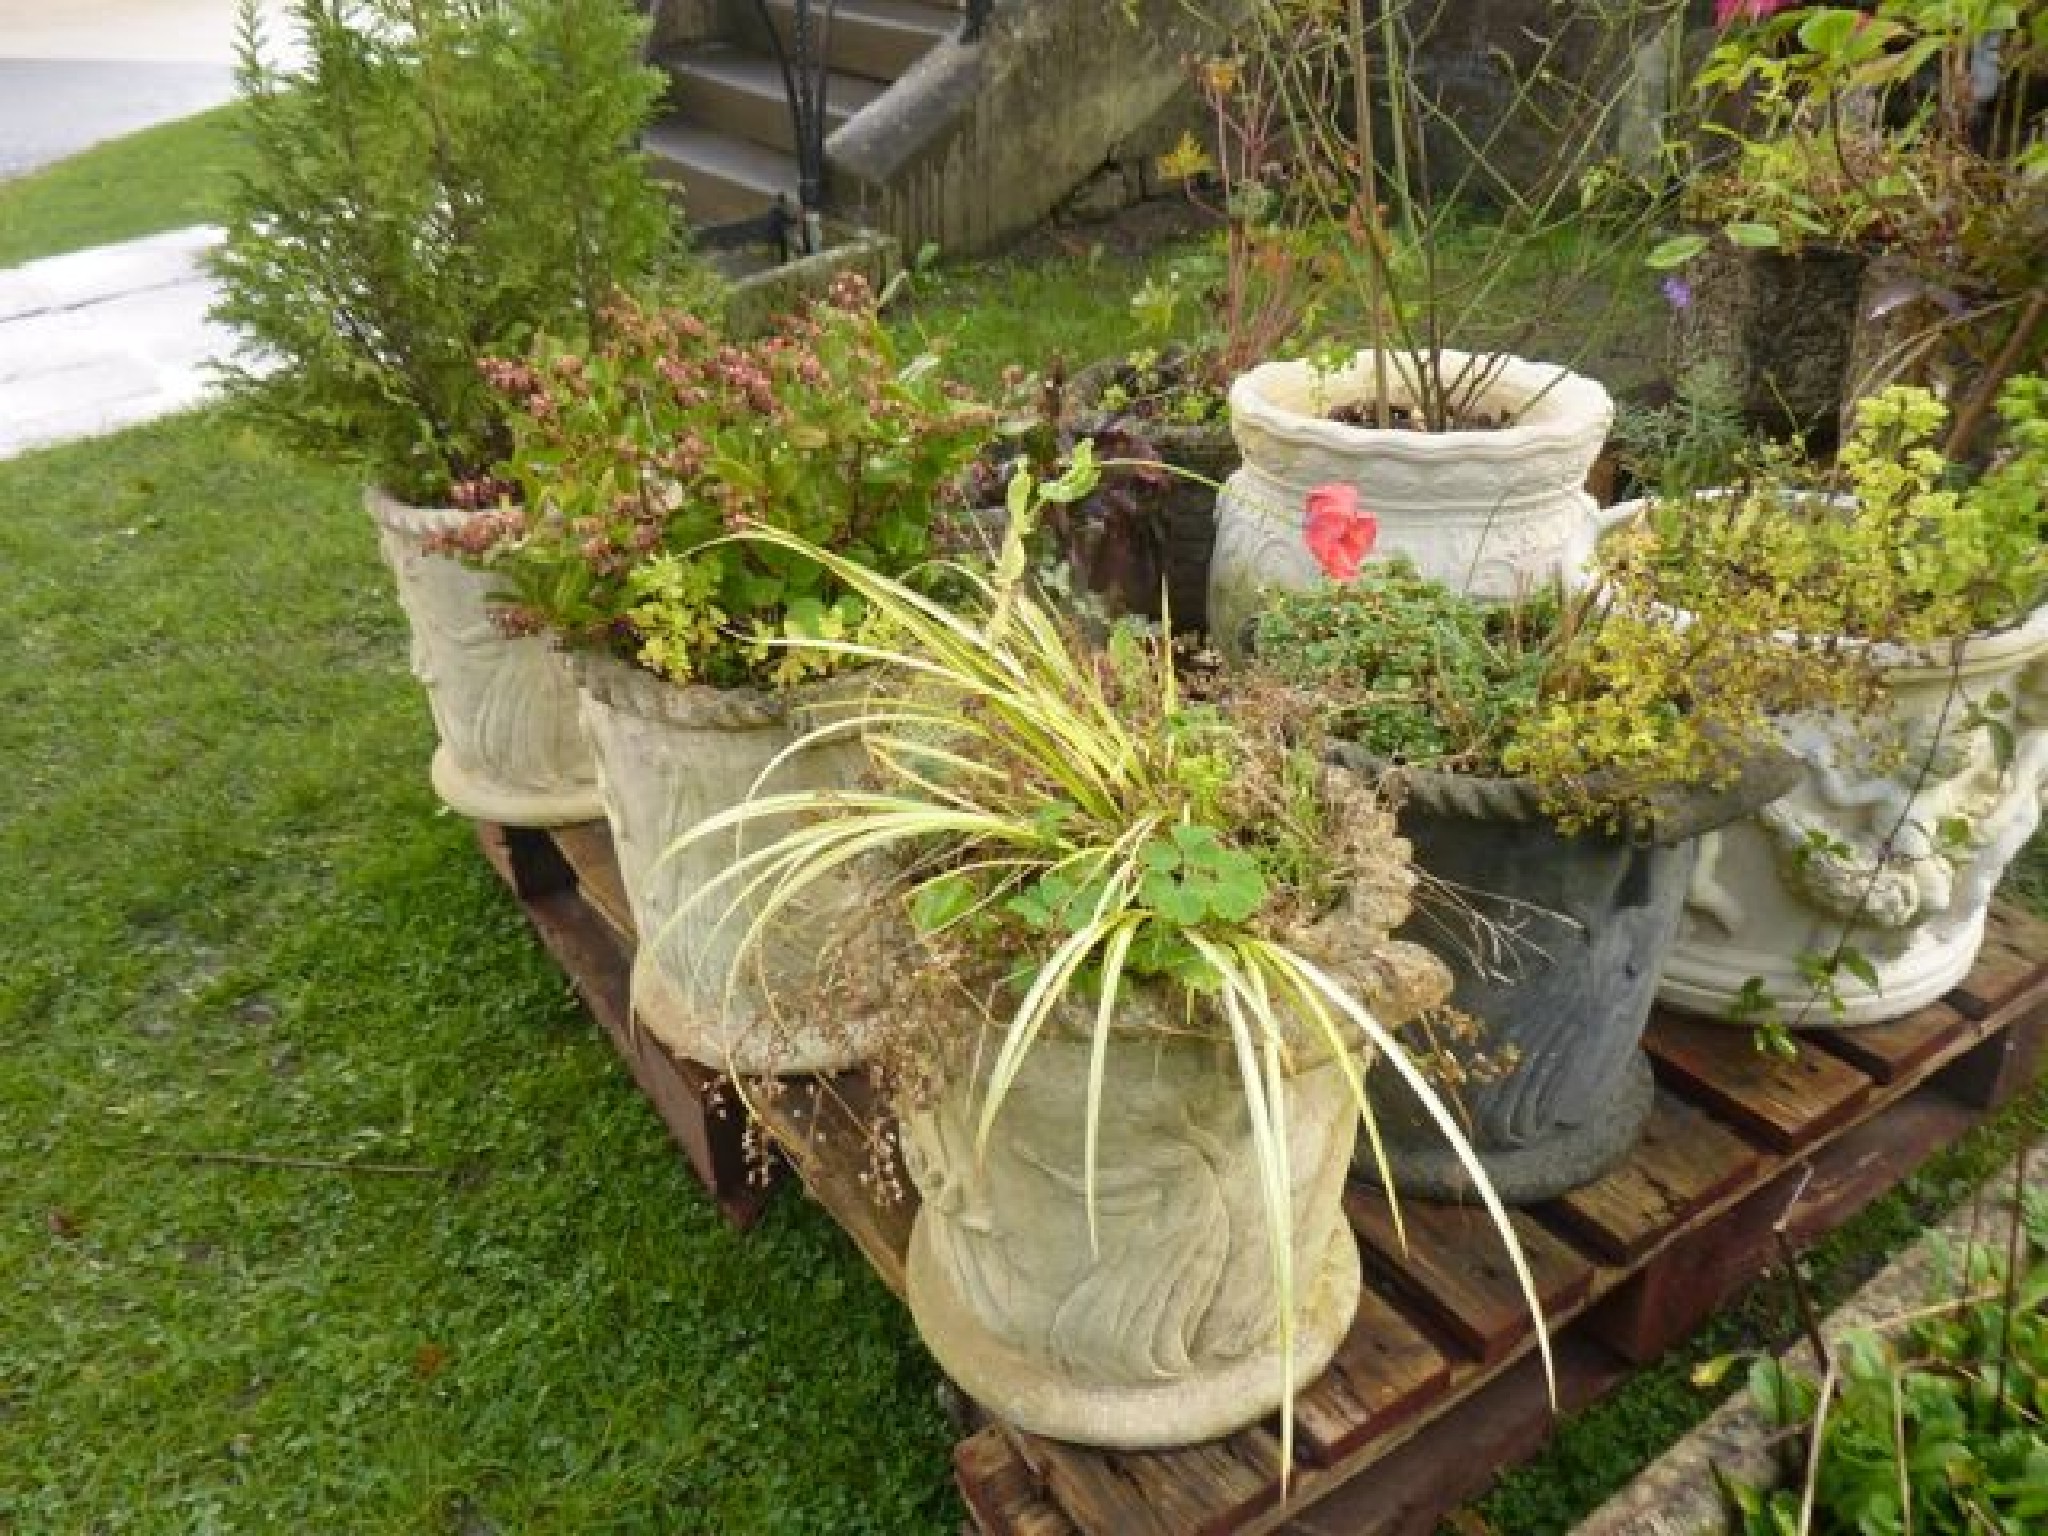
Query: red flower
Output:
(1726,11)
(1339,532)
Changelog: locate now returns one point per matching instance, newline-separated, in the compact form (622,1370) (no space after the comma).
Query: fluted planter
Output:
(1491,512)
(1162,1332)
(668,757)
(504,707)
(1555,944)
(1897,857)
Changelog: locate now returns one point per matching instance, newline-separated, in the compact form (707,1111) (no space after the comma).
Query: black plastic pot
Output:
(1180,510)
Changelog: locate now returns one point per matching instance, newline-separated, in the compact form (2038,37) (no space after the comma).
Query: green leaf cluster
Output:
(437,182)
(1898,545)
(1862,125)
(1936,1429)
(633,461)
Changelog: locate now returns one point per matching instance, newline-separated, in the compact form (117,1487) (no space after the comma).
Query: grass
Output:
(167,177)
(238,923)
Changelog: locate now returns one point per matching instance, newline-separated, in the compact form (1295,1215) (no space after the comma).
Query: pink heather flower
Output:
(1729,11)
(1339,532)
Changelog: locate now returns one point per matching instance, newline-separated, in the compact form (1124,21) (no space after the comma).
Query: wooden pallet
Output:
(1437,1387)
(567,879)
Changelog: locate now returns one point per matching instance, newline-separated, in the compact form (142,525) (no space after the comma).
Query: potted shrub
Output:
(1555,761)
(1474,458)
(434,183)
(1128,959)
(1898,143)
(629,463)
(1862,895)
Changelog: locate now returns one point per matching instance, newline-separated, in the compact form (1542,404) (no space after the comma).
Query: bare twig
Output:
(310,1164)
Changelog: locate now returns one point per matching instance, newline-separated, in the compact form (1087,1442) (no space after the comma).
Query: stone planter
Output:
(1489,512)
(1554,944)
(511,750)
(1900,857)
(1164,1331)
(1185,507)
(1780,327)
(668,757)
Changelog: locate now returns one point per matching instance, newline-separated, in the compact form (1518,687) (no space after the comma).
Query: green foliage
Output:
(1602,700)
(1693,442)
(632,461)
(1908,556)
(1051,827)
(1859,125)
(1935,1427)
(442,180)
(1410,670)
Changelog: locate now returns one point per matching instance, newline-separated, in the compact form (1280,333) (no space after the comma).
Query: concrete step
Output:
(875,39)
(720,86)
(722,178)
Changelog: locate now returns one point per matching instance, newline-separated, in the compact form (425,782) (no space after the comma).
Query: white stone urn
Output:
(1897,852)
(504,706)
(668,757)
(1163,1331)
(1493,512)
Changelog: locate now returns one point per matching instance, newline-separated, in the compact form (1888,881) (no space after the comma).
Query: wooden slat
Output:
(1684,1162)
(1889,1051)
(1196,1490)
(1001,1491)
(1385,1367)
(1456,1271)
(2014,953)
(587,847)
(1785,1104)
(826,1128)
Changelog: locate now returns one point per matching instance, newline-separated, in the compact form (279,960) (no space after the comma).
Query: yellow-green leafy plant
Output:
(1051,827)
(1897,545)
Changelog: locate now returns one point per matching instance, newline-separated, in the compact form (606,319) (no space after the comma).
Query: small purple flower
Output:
(1677,292)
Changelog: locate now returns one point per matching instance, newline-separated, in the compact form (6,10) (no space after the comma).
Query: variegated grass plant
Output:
(1034,797)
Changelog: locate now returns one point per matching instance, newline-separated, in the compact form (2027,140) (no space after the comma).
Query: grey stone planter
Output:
(1780,326)
(1556,945)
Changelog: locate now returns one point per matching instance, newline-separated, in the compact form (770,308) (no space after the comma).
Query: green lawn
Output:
(236,922)
(161,178)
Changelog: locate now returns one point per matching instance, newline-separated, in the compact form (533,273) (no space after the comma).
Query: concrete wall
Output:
(981,141)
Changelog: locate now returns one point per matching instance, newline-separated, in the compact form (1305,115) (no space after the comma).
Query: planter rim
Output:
(700,706)
(1679,812)
(1570,404)
(408,520)
(1900,662)
(1084,415)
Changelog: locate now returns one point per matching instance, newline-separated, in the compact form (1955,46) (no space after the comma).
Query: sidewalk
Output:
(106,338)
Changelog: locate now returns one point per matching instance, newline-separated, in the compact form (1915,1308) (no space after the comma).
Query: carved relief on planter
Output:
(1162,1329)
(511,750)
(1163,1332)
(1491,512)
(1893,842)
(668,757)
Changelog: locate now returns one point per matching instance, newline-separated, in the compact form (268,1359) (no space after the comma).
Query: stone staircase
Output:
(726,138)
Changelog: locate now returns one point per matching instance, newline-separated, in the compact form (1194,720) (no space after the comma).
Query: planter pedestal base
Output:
(1573,1156)
(1180,1411)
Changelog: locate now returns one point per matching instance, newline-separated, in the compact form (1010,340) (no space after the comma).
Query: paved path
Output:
(74,72)
(105,338)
